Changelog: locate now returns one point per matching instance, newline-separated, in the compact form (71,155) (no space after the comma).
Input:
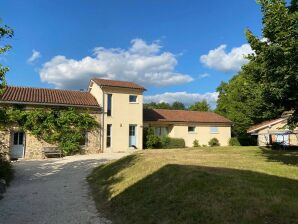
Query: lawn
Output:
(204,185)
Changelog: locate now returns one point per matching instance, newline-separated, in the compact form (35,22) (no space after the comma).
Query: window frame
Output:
(136,99)
(109,104)
(214,130)
(193,131)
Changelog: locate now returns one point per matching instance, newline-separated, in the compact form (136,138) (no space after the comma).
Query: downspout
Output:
(103,121)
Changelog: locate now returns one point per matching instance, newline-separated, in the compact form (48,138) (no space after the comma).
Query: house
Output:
(275,131)
(118,108)
(189,125)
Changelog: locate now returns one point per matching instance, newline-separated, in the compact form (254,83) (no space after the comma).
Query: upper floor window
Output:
(214,130)
(191,129)
(109,105)
(132,98)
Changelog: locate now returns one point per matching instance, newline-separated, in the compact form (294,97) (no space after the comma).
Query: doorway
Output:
(18,146)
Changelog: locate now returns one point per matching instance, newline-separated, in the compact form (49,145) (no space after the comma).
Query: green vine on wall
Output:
(64,127)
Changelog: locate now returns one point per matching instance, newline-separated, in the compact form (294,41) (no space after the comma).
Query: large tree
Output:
(5,32)
(276,56)
(200,106)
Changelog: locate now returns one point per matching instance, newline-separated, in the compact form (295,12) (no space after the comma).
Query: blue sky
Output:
(181,48)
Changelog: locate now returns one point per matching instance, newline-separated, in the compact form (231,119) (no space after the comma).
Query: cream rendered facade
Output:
(125,116)
(202,132)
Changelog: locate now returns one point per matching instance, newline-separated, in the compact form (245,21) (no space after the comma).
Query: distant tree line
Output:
(198,106)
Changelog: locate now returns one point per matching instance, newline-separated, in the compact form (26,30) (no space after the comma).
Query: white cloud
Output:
(204,75)
(142,63)
(224,61)
(35,55)
(184,97)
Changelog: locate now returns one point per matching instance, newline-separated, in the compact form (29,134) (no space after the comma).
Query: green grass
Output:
(204,185)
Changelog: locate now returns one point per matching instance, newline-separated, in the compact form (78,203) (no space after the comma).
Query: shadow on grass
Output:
(288,157)
(196,194)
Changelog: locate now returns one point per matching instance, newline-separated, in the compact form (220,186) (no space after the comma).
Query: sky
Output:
(179,50)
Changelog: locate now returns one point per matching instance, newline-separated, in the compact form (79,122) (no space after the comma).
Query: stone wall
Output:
(4,142)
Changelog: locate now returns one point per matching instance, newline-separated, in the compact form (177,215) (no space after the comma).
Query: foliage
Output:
(196,143)
(241,101)
(154,105)
(213,142)
(178,106)
(274,64)
(234,142)
(200,106)
(172,143)
(65,127)
(5,32)
(6,171)
(152,141)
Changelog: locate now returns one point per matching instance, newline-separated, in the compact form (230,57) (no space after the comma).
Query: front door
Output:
(17,150)
(132,136)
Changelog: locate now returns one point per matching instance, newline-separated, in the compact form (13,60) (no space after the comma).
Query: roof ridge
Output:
(50,89)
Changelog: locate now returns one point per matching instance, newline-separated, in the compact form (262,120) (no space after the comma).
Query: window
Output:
(161,131)
(109,135)
(132,98)
(109,106)
(18,138)
(84,139)
(214,130)
(191,129)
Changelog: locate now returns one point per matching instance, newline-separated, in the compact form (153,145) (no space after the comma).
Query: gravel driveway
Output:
(52,191)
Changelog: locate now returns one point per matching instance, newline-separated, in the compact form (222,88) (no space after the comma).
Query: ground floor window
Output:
(109,135)
(214,130)
(161,131)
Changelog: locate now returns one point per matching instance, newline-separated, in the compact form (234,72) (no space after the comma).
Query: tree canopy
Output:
(5,32)
(274,65)
(200,106)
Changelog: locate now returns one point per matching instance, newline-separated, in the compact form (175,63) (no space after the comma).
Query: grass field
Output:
(204,185)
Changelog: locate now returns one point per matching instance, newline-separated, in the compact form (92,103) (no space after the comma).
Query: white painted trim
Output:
(266,125)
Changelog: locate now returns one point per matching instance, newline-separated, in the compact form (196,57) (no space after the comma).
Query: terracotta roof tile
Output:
(113,83)
(183,116)
(28,95)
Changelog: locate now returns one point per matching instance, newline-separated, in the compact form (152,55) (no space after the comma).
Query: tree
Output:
(275,61)
(154,105)
(178,106)
(200,106)
(5,32)
(241,101)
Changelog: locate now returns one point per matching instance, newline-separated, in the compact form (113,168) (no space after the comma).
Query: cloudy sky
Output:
(179,50)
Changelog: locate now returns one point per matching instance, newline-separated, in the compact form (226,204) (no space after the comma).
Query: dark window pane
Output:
(191,129)
(132,99)
(15,138)
(83,139)
(21,138)
(109,106)
(109,131)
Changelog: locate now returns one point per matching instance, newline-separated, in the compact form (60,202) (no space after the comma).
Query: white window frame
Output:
(214,130)
(133,101)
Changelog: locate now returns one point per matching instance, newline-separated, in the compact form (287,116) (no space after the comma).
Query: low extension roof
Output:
(183,116)
(264,124)
(53,97)
(114,83)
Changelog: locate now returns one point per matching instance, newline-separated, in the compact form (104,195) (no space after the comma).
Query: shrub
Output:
(152,141)
(6,171)
(234,142)
(276,146)
(196,143)
(174,143)
(213,142)
(165,141)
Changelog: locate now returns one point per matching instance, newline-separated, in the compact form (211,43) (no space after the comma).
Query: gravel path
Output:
(52,191)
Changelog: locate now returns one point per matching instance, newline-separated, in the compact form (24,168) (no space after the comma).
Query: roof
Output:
(114,83)
(264,124)
(28,95)
(164,115)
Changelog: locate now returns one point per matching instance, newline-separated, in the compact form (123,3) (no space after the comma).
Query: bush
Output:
(152,141)
(234,142)
(196,143)
(174,143)
(6,171)
(276,146)
(213,142)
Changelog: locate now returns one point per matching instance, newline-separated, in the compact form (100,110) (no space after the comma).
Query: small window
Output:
(109,135)
(132,98)
(214,130)
(109,106)
(191,129)
(161,131)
